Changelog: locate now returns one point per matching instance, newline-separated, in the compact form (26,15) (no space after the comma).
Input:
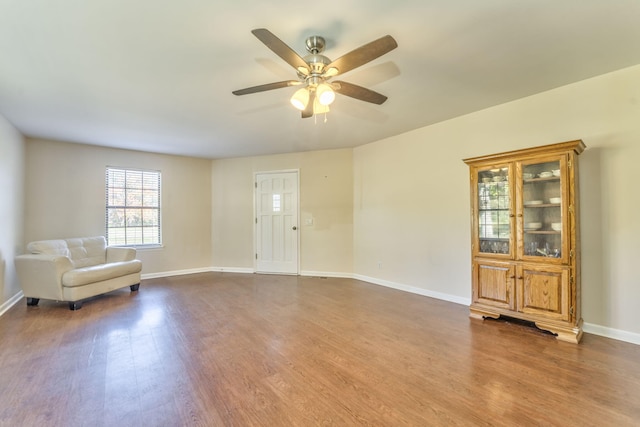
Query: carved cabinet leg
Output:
(33,301)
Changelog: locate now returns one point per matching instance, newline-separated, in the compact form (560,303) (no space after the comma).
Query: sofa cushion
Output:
(97,273)
(49,247)
(87,251)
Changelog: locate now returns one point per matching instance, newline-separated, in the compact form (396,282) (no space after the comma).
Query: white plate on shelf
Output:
(545,174)
(532,202)
(555,200)
(533,226)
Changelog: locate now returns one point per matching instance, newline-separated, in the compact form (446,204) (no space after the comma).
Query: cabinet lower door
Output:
(493,284)
(544,291)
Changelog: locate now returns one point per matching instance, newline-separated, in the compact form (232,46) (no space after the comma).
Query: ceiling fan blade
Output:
(268,86)
(281,49)
(308,112)
(358,92)
(361,56)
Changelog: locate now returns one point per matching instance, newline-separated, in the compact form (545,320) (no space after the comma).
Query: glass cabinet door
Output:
(543,219)
(494,211)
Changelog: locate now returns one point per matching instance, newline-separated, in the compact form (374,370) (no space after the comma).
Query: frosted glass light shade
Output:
(300,98)
(325,94)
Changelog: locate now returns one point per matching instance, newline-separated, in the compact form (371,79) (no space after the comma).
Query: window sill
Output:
(140,247)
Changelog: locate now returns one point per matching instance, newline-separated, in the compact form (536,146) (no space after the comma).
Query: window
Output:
(133,207)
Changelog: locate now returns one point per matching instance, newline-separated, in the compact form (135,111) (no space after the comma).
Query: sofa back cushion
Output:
(87,251)
(83,251)
(49,247)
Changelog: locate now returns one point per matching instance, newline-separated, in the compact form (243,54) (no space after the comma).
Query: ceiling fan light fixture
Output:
(325,94)
(315,70)
(300,98)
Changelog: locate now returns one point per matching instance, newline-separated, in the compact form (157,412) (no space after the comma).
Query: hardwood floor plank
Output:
(221,349)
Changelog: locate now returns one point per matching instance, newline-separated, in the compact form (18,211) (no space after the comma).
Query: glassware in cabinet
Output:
(542,209)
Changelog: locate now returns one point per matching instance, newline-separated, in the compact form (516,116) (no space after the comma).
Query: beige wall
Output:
(326,195)
(395,212)
(11,209)
(65,191)
(411,193)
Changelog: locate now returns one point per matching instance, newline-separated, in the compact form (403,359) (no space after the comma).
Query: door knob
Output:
(294,228)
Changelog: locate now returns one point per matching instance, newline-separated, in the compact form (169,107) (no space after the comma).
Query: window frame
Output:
(153,211)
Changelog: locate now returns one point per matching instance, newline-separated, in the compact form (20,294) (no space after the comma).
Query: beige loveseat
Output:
(74,269)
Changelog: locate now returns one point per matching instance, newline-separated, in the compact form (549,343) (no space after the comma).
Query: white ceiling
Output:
(157,75)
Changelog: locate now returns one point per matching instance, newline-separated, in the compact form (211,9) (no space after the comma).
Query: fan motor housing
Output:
(317,62)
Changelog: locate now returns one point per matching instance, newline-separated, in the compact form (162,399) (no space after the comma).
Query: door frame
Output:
(255,216)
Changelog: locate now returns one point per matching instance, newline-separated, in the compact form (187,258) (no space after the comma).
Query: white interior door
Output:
(277,222)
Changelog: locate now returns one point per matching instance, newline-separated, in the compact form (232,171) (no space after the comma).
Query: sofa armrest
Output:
(40,275)
(118,254)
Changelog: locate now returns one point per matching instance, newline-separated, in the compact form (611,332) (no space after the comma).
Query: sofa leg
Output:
(75,305)
(33,301)
(134,287)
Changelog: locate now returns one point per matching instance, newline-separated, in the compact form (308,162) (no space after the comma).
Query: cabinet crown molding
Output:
(577,146)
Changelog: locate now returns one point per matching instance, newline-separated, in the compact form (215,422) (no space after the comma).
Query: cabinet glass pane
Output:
(494,201)
(542,198)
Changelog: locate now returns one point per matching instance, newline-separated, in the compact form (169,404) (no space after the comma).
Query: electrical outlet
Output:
(379,265)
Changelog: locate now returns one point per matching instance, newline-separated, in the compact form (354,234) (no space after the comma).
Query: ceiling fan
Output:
(315,71)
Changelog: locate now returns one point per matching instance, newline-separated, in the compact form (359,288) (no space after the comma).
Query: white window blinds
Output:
(132,207)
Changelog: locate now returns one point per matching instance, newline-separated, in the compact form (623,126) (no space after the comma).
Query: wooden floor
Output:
(221,349)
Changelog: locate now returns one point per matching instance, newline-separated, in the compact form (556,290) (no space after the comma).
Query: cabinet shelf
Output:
(552,178)
(542,232)
(544,205)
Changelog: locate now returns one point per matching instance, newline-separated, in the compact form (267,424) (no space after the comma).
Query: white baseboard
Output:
(233,270)
(174,273)
(309,273)
(11,302)
(616,334)
(197,270)
(414,290)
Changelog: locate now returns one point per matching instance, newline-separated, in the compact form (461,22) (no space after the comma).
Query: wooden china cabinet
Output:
(524,242)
